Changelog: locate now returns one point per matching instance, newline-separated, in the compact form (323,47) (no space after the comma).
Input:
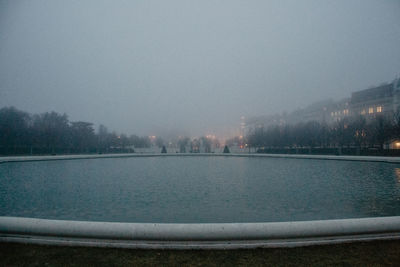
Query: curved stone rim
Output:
(197,236)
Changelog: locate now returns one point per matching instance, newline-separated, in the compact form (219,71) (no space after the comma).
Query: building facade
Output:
(380,100)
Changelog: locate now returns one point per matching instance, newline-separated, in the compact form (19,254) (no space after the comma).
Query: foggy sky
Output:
(192,67)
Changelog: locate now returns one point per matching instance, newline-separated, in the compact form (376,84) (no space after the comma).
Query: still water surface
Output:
(199,189)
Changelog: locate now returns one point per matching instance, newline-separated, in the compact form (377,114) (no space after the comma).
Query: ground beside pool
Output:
(377,253)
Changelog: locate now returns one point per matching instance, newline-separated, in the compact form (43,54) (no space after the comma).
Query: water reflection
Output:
(397,172)
(199,189)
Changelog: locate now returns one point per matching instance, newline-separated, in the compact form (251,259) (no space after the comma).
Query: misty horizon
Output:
(180,68)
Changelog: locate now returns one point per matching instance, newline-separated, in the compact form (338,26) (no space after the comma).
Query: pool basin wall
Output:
(189,236)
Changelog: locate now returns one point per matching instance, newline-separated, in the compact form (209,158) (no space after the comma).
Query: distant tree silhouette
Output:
(140,142)
(14,129)
(226,149)
(206,144)
(348,132)
(159,142)
(51,132)
(379,131)
(182,143)
(82,137)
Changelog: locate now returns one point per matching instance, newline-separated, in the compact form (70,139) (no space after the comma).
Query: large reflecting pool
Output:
(199,189)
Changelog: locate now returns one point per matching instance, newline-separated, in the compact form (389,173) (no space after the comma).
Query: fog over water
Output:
(191,67)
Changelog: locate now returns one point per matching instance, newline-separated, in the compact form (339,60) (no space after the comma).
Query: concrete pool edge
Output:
(197,236)
(133,155)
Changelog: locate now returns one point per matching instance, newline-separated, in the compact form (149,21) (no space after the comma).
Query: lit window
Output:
(379,109)
(332,113)
(363,112)
(371,110)
(346,112)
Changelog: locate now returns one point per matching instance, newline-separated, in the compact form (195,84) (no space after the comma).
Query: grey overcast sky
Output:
(194,67)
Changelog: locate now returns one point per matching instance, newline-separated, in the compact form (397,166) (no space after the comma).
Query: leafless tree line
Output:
(51,133)
(349,132)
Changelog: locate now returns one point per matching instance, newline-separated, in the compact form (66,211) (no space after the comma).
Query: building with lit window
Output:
(380,100)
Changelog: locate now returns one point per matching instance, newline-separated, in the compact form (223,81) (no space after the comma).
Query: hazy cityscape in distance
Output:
(369,119)
(241,133)
(179,69)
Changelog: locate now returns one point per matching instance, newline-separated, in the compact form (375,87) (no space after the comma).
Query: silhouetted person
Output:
(164,149)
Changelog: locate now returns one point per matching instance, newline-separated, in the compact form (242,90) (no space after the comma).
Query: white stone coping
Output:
(195,236)
(131,155)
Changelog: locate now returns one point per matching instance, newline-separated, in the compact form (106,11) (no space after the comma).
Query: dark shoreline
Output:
(376,253)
